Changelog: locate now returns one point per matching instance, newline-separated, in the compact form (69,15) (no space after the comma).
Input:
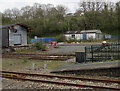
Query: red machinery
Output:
(54,43)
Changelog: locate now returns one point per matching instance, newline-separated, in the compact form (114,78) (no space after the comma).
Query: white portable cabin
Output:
(92,34)
(73,35)
(84,35)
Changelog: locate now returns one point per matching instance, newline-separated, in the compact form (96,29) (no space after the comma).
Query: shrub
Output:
(71,40)
(60,38)
(39,46)
(90,39)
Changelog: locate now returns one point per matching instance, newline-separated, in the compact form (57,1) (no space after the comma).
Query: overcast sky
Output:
(71,4)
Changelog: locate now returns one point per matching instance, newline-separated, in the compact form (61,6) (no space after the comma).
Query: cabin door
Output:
(17,39)
(84,36)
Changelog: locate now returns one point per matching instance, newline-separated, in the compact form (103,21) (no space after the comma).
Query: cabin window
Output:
(13,30)
(98,36)
(73,35)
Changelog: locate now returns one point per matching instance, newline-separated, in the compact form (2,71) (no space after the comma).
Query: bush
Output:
(39,46)
(60,38)
(71,40)
(90,39)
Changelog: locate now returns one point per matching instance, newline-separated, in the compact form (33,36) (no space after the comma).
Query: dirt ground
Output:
(37,66)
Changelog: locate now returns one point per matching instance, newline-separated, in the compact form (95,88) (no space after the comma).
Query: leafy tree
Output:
(47,20)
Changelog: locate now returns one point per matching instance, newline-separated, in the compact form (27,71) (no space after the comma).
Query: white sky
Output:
(71,4)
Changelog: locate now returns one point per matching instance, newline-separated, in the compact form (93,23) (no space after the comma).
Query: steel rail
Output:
(39,57)
(66,77)
(45,58)
(63,83)
(40,54)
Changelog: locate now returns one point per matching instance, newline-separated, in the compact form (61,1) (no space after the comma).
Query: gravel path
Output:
(66,49)
(15,84)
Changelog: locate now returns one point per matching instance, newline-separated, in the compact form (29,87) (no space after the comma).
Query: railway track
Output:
(39,54)
(39,58)
(29,77)
(61,57)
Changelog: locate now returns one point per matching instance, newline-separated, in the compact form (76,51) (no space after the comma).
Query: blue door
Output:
(84,36)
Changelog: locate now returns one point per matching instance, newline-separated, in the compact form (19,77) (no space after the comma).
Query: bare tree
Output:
(15,13)
(26,12)
(7,13)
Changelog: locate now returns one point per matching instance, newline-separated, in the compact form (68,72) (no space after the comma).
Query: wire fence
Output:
(103,52)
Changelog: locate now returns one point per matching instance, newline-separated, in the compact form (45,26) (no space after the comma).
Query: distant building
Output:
(13,34)
(92,34)
(73,35)
(107,36)
(84,35)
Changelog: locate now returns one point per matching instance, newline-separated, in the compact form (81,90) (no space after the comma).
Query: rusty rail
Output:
(40,54)
(62,83)
(61,57)
(40,58)
(66,77)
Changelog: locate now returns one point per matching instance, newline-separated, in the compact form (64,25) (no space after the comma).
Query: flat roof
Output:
(12,25)
(83,31)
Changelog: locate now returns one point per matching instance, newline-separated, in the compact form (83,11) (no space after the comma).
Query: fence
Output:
(103,52)
(43,39)
(108,36)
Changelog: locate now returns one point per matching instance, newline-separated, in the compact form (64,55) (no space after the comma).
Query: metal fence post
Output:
(102,53)
(92,52)
(118,50)
(85,55)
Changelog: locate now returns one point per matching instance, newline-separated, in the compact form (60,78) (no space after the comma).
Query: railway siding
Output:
(65,80)
(61,57)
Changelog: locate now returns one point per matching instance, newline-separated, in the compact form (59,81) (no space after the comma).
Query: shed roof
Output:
(91,31)
(83,31)
(72,32)
(12,25)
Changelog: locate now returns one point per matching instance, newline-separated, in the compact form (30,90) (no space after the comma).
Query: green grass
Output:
(18,64)
(113,40)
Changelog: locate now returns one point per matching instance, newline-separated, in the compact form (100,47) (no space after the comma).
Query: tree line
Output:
(47,20)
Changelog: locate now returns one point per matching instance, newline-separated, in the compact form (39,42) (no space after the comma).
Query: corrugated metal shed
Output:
(13,34)
(5,37)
